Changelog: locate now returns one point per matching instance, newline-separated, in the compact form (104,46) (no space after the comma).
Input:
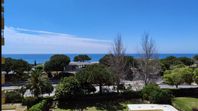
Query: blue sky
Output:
(90,26)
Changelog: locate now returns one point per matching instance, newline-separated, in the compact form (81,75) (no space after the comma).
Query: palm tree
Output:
(38,83)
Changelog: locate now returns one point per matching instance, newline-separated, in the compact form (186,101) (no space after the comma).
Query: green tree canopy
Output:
(95,74)
(19,66)
(82,58)
(195,76)
(8,66)
(57,63)
(106,60)
(195,57)
(178,76)
(169,61)
(186,61)
(68,86)
(38,83)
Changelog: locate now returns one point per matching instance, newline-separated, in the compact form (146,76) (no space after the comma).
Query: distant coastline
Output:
(42,58)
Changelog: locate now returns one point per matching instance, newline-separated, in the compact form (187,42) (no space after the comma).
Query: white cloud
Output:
(23,41)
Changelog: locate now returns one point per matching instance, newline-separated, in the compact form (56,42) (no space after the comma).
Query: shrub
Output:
(160,97)
(13,97)
(148,89)
(195,76)
(68,86)
(30,101)
(185,92)
(41,106)
(154,94)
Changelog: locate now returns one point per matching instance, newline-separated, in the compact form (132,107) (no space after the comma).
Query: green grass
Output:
(103,106)
(185,103)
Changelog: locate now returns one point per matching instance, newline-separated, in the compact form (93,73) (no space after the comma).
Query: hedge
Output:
(70,101)
(185,92)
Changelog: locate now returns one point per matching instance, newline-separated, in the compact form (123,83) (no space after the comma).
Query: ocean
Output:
(42,58)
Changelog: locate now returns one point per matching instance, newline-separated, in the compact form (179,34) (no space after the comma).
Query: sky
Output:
(90,26)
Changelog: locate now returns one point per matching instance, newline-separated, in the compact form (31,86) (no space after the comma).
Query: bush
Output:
(30,101)
(195,76)
(73,101)
(148,89)
(154,94)
(41,106)
(160,97)
(185,92)
(68,86)
(13,97)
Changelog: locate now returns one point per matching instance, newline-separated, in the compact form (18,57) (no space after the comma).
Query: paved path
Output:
(135,85)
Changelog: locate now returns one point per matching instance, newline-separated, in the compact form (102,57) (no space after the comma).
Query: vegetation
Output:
(195,57)
(57,62)
(19,66)
(146,91)
(95,74)
(41,106)
(38,84)
(178,76)
(186,61)
(169,61)
(118,62)
(185,103)
(154,94)
(106,60)
(13,97)
(39,67)
(149,65)
(82,58)
(68,86)
(110,105)
(196,75)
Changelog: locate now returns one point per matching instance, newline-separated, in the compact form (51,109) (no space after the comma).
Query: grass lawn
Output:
(185,103)
(104,106)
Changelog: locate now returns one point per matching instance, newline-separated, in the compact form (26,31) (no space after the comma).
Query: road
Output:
(134,85)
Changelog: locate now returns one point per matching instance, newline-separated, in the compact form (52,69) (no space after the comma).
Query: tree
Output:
(178,76)
(106,60)
(154,94)
(186,61)
(169,61)
(68,86)
(19,66)
(8,66)
(130,64)
(187,75)
(195,57)
(148,64)
(38,83)
(130,67)
(118,62)
(82,58)
(57,62)
(39,67)
(195,77)
(95,74)
(173,78)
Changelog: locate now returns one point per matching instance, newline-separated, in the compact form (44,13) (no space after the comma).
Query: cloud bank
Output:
(25,41)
